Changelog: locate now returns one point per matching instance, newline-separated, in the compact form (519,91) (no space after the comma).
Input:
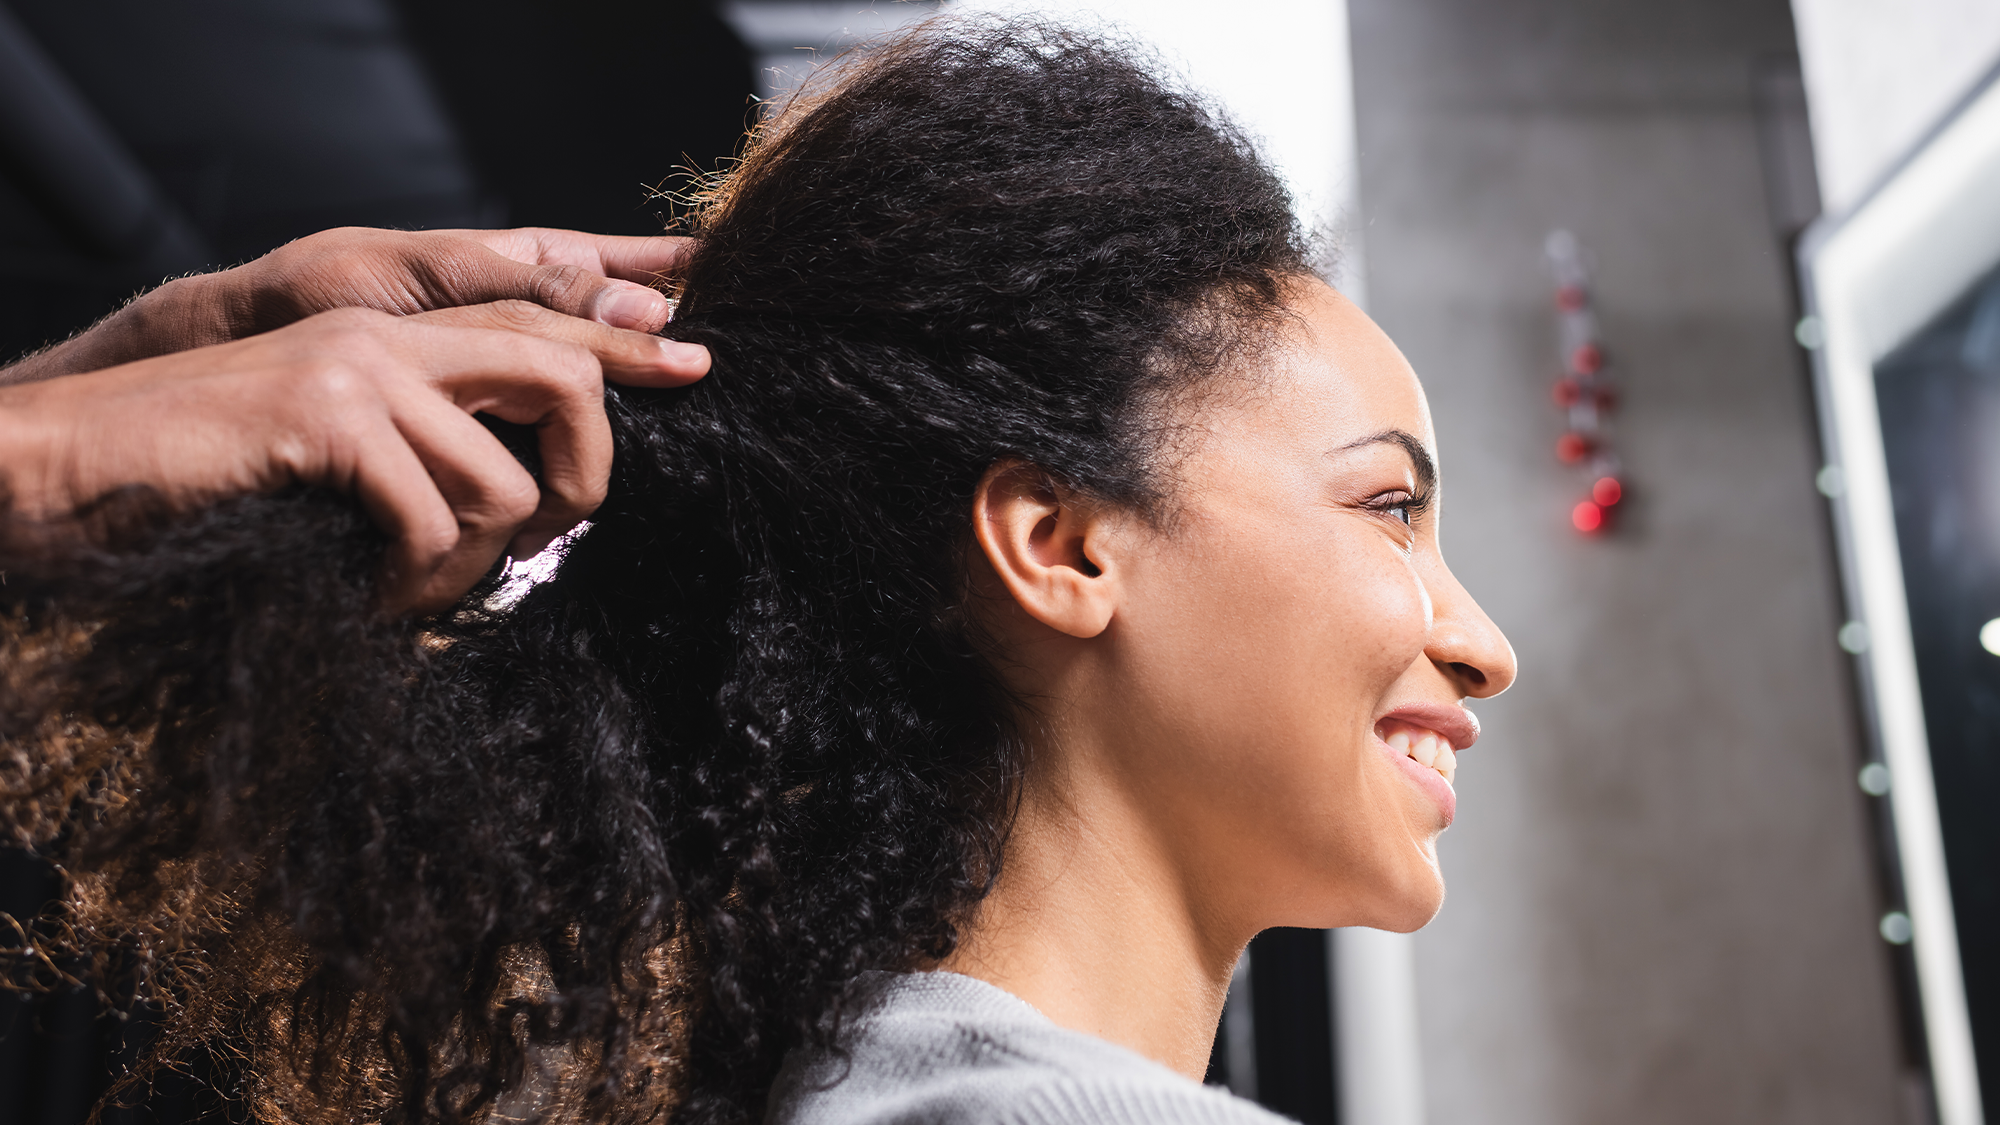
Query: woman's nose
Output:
(1466,645)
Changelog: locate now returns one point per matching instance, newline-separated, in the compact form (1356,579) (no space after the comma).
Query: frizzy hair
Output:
(609,852)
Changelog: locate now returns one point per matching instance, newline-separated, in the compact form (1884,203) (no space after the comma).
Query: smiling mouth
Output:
(1422,745)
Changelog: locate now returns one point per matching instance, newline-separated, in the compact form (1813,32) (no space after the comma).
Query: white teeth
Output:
(1426,748)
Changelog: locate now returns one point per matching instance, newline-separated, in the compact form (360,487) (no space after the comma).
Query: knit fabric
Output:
(945,1049)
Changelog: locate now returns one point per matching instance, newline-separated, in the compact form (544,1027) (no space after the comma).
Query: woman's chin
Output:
(1411,908)
(1414,915)
(1399,901)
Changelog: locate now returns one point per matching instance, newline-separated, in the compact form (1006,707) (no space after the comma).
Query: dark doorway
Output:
(1289,998)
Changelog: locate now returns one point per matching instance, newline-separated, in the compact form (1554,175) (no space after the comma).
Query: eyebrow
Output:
(1420,458)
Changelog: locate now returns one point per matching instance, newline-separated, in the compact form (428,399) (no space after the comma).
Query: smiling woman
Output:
(1040,597)
(1244,713)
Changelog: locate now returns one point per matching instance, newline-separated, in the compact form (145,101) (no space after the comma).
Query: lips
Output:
(1429,734)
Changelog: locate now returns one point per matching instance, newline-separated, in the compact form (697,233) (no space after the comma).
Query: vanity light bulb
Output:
(1587,517)
(1810,333)
(1896,928)
(1853,638)
(1874,779)
(1989,636)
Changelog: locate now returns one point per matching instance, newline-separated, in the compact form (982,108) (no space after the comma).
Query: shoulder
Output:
(943,1049)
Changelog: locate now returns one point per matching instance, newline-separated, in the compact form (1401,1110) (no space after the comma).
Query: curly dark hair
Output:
(609,852)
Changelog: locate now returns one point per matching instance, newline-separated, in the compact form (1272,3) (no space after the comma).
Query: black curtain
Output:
(239,125)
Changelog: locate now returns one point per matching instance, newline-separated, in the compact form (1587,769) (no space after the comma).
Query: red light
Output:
(1572,447)
(1569,298)
(1586,360)
(1607,491)
(1568,392)
(1587,517)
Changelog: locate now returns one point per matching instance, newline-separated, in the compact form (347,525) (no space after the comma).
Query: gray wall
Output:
(1663,903)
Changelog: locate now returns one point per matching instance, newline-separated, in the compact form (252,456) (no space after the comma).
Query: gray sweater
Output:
(945,1049)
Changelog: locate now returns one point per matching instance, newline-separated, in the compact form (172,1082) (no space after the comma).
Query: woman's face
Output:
(1278,688)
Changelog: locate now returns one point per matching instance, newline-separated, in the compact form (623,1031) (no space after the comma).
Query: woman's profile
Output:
(1040,597)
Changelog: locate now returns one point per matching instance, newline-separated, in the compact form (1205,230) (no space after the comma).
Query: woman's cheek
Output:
(1386,619)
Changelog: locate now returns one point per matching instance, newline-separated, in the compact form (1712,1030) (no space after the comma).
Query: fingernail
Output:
(632,306)
(683,354)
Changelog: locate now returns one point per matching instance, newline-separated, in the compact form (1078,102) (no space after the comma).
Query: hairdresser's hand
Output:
(376,405)
(601,278)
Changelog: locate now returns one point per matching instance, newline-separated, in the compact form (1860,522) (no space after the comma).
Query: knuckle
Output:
(516,498)
(554,285)
(361,361)
(333,240)
(436,539)
(334,386)
(519,315)
(580,371)
(360,242)
(564,376)
(358,338)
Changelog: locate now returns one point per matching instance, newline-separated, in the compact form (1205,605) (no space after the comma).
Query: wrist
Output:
(187,312)
(27,456)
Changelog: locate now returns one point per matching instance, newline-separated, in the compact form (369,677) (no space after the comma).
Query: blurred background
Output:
(1723,855)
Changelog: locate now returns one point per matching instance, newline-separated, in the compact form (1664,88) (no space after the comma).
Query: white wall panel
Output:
(1880,75)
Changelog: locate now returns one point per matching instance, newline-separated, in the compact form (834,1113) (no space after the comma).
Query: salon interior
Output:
(1706,296)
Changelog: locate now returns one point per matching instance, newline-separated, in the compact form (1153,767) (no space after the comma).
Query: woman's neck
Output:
(1093,923)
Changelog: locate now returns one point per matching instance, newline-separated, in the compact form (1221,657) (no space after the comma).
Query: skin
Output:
(356,359)
(1211,697)
(603,278)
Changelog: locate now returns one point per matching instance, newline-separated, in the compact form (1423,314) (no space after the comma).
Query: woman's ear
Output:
(1047,547)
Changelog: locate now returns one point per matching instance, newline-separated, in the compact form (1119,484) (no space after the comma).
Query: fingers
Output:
(645,260)
(556,387)
(605,278)
(464,271)
(633,258)
(397,491)
(449,493)
(429,375)
(579,292)
(489,496)
(628,357)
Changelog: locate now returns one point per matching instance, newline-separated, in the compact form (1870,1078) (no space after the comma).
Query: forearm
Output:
(188,312)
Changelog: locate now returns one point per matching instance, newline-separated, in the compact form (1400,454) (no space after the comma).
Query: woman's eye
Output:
(1397,506)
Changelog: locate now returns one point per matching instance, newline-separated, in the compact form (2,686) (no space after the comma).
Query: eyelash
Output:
(1412,505)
